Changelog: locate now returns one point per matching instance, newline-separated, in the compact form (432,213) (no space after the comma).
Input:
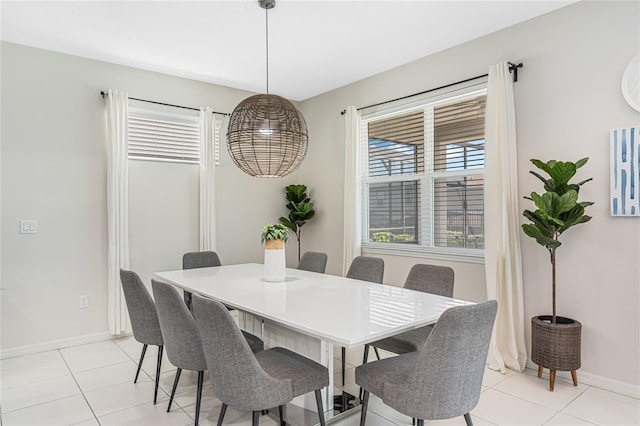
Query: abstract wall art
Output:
(625,171)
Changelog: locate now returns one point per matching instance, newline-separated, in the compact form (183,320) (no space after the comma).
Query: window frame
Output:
(428,175)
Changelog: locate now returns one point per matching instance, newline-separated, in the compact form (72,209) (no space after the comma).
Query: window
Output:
(423,180)
(163,137)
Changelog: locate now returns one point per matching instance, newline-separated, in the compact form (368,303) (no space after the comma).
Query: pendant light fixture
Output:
(267,136)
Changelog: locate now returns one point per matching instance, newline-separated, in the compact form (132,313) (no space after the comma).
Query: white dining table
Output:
(311,312)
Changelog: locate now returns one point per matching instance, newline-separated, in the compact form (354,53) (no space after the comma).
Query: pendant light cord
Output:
(266,11)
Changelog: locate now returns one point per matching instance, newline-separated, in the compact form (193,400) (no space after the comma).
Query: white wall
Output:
(54,171)
(568,97)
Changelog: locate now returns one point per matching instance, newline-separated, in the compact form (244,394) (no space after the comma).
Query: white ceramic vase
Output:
(275,266)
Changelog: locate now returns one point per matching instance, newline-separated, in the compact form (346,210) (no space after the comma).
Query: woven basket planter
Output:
(556,346)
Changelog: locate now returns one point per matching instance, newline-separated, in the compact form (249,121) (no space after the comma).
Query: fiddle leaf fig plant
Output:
(300,210)
(557,209)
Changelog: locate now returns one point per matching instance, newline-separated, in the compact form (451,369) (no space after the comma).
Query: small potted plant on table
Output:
(274,238)
(555,340)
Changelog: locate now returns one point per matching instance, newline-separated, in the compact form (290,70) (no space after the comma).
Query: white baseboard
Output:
(54,344)
(597,381)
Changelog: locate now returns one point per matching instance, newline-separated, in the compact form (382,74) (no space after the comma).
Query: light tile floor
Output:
(93,385)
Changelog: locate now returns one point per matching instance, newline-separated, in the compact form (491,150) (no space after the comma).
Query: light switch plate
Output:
(29,226)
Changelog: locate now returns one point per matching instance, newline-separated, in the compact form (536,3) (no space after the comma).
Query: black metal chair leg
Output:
(144,351)
(256,418)
(377,354)
(420,422)
(281,414)
(365,403)
(173,389)
(344,355)
(467,418)
(365,356)
(199,395)
(155,392)
(320,407)
(223,410)
(413,421)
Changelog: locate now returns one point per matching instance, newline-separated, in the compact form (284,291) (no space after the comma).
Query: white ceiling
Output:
(314,46)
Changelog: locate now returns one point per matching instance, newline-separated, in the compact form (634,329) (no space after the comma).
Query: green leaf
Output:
(542,166)
(582,182)
(566,201)
(582,162)
(562,172)
(539,176)
(534,232)
(538,220)
(296,193)
(289,224)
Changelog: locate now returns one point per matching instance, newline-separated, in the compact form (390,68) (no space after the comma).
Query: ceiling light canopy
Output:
(267,136)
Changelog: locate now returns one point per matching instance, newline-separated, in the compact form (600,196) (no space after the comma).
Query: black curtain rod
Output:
(103,93)
(512,67)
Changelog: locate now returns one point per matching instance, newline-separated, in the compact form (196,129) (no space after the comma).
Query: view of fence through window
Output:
(425,176)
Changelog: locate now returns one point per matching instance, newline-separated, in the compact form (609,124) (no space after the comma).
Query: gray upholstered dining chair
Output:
(363,268)
(444,378)
(247,381)
(313,261)
(144,320)
(198,259)
(432,279)
(182,338)
(366,268)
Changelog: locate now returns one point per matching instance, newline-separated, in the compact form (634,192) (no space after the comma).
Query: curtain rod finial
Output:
(514,67)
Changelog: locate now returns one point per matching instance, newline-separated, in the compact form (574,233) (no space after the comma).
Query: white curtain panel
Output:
(352,243)
(503,263)
(209,143)
(117,210)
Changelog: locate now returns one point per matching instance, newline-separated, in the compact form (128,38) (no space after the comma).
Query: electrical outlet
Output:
(84,301)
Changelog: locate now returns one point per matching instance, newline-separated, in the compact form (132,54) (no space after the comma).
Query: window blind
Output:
(459,134)
(163,137)
(396,145)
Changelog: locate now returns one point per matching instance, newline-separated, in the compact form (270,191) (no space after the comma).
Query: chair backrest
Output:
(313,261)
(447,378)
(179,330)
(200,259)
(431,279)
(142,310)
(367,268)
(237,378)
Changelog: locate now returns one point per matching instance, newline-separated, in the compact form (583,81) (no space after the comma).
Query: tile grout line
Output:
(79,388)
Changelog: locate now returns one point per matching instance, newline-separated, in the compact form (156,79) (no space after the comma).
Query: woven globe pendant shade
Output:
(267,136)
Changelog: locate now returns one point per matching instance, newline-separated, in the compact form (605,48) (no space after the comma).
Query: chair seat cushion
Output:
(372,376)
(409,341)
(305,375)
(255,343)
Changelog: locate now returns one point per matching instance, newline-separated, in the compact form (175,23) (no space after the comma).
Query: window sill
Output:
(451,255)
